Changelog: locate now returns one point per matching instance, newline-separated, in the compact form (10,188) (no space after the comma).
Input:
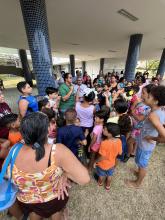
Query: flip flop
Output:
(100,183)
(107,188)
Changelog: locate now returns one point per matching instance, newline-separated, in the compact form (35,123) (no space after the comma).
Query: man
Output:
(77,75)
(66,91)
(79,88)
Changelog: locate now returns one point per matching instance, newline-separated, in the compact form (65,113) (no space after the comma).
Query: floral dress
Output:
(140,109)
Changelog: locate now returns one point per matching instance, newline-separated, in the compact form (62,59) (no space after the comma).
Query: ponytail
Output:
(34,130)
(40,150)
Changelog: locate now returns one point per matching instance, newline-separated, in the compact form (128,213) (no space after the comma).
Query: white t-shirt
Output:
(81,91)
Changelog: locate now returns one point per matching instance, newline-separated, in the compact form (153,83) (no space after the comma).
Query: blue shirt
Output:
(70,135)
(32,103)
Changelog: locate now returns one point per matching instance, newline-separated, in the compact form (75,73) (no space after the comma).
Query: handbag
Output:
(8,190)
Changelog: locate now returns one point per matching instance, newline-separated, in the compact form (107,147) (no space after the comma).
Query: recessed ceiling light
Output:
(127,14)
(73,44)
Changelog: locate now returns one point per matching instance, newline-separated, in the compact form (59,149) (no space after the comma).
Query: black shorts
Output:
(46,209)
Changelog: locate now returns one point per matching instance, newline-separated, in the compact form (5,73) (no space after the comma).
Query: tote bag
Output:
(8,190)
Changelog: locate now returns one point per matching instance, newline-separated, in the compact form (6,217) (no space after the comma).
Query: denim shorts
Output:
(142,157)
(101,172)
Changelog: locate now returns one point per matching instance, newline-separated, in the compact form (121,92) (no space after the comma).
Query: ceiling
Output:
(94,25)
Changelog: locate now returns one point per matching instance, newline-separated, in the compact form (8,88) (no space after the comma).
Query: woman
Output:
(121,84)
(26,103)
(4,110)
(85,112)
(113,83)
(85,77)
(88,82)
(40,169)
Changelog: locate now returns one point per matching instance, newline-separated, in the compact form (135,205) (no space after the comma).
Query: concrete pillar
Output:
(101,65)
(132,56)
(161,68)
(25,66)
(69,67)
(83,67)
(72,64)
(60,68)
(36,25)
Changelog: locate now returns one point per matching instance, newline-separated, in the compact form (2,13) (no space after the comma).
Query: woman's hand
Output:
(159,139)
(149,139)
(63,187)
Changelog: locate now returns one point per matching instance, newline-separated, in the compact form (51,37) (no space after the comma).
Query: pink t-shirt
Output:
(97,130)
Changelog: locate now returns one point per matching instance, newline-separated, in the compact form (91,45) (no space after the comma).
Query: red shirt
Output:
(4,110)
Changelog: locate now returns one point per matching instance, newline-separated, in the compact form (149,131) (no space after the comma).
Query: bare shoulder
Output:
(23,101)
(61,150)
(152,115)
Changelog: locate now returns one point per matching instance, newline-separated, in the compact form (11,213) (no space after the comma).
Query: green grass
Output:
(11,81)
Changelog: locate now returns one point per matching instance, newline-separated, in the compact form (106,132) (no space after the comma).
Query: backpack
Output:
(8,190)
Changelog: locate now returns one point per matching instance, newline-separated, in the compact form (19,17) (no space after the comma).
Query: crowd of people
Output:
(79,129)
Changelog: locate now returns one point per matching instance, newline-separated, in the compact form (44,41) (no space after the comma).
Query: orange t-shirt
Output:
(14,137)
(109,149)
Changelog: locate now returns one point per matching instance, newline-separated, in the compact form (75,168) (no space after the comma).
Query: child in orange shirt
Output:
(12,122)
(110,148)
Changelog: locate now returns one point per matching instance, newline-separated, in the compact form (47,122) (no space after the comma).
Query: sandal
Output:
(100,183)
(107,187)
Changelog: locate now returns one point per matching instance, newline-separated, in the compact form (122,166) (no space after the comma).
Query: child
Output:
(135,98)
(52,131)
(100,96)
(54,99)
(26,103)
(120,108)
(12,122)
(125,123)
(96,136)
(110,148)
(153,126)
(70,135)
(44,103)
(139,112)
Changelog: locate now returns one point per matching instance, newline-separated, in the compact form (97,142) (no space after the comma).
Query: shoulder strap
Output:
(52,152)
(54,147)
(12,155)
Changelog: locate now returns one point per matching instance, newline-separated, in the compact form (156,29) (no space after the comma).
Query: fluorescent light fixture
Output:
(73,44)
(112,51)
(127,14)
